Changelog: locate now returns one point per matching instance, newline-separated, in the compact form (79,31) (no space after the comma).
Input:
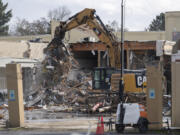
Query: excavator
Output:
(107,78)
(88,17)
(104,78)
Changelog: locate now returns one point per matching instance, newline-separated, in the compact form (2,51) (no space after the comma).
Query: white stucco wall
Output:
(172,23)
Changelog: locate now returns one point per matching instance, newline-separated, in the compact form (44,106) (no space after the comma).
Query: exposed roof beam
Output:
(128,45)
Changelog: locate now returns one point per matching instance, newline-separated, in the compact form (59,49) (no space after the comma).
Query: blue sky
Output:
(138,13)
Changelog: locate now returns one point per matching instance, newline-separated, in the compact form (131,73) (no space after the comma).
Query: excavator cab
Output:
(106,78)
(102,78)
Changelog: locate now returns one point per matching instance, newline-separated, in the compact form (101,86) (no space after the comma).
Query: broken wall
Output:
(30,80)
(2,78)
(140,59)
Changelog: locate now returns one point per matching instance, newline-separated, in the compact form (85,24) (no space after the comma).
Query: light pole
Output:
(120,125)
(121,82)
(122,38)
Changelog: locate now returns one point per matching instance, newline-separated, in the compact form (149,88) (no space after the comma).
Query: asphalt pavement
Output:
(57,132)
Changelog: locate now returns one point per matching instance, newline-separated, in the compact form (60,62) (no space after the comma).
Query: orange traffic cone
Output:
(100,126)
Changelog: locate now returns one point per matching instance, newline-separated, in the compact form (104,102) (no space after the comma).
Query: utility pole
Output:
(121,82)
(122,39)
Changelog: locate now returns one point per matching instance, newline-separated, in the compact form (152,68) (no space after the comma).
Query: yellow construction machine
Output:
(104,77)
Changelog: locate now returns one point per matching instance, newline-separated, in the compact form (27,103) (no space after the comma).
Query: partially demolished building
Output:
(64,76)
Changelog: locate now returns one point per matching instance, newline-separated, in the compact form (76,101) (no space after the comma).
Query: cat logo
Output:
(140,80)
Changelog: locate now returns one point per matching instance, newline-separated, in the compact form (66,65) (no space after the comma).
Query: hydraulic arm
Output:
(88,17)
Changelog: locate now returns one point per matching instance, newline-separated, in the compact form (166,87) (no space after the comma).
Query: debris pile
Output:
(62,81)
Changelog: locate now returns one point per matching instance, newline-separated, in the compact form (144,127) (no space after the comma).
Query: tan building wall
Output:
(19,49)
(142,35)
(175,94)
(172,23)
(76,35)
(45,38)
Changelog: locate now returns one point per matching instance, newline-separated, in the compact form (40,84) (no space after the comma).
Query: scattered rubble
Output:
(69,88)
(62,81)
(64,84)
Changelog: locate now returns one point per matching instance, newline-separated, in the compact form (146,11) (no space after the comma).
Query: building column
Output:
(15,95)
(155,96)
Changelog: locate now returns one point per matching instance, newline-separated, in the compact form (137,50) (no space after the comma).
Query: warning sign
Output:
(151,93)
(11,95)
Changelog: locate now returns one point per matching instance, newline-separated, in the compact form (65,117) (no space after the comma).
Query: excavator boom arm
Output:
(88,16)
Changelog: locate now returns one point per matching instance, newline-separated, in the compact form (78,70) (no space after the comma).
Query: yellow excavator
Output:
(88,17)
(104,78)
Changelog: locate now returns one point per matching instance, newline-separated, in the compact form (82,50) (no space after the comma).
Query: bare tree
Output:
(60,14)
(41,26)
(24,27)
(114,26)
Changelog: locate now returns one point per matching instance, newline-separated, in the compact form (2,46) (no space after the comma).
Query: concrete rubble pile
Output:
(62,81)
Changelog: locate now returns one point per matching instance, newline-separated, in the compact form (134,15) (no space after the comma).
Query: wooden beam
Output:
(99,59)
(128,45)
(87,46)
(127,59)
(139,47)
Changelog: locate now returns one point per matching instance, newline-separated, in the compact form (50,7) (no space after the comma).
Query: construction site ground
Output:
(49,131)
(46,122)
